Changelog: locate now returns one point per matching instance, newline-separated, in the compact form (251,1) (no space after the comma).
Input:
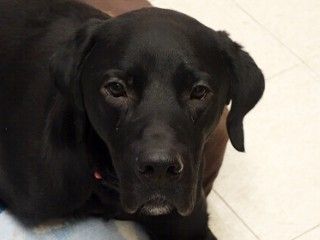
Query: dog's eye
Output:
(199,92)
(116,89)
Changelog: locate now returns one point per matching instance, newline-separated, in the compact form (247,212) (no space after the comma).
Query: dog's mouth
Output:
(156,205)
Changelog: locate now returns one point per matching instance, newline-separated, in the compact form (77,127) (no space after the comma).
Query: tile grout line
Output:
(307,231)
(275,37)
(236,214)
(288,69)
(313,58)
(283,71)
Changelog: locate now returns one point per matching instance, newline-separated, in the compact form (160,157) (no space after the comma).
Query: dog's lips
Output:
(153,205)
(155,209)
(156,205)
(135,199)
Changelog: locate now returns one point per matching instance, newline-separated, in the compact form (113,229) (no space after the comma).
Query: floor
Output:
(271,192)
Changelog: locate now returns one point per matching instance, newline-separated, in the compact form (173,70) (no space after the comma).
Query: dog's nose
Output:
(159,167)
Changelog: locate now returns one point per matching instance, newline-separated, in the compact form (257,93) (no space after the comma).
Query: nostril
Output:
(172,170)
(175,170)
(159,166)
(146,170)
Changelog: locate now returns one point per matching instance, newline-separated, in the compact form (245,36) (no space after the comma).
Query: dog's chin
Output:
(151,209)
(156,205)
(158,202)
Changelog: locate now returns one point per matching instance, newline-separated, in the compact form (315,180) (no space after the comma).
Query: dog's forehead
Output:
(152,41)
(160,58)
(158,48)
(155,31)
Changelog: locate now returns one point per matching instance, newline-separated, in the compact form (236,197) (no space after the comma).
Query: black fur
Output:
(59,124)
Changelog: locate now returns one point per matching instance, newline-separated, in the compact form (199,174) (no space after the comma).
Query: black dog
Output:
(130,100)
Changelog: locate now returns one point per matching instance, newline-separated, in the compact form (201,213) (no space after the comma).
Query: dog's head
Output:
(153,84)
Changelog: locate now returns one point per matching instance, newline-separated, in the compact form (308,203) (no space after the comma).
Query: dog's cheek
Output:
(128,190)
(103,119)
(196,109)
(188,199)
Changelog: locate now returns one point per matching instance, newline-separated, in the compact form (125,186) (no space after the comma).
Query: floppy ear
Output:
(66,62)
(246,87)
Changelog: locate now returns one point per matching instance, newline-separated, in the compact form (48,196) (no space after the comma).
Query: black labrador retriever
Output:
(109,116)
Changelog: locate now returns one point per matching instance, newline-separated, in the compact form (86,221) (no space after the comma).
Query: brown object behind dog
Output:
(117,7)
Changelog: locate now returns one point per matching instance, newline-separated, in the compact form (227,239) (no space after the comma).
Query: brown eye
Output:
(199,92)
(116,89)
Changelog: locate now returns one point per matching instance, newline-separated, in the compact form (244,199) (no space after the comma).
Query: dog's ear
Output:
(246,87)
(66,62)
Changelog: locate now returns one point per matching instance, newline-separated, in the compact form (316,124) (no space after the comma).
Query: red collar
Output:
(97,175)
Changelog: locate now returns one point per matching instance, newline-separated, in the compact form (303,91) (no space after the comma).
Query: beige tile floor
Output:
(271,192)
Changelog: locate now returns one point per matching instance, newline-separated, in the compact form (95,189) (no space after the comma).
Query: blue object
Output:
(1,207)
